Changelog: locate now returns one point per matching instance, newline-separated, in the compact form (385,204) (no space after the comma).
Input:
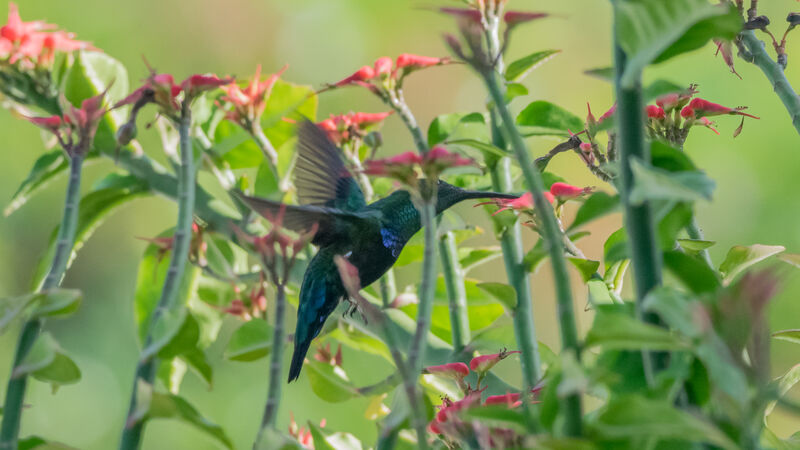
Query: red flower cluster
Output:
(248,102)
(403,167)
(346,127)
(34,43)
(255,306)
(384,69)
(75,130)
(324,354)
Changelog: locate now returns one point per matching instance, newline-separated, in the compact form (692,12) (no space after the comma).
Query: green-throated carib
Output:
(369,236)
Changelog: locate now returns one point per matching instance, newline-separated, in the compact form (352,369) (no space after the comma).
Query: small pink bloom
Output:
(483,363)
(365,73)
(701,107)
(413,62)
(406,158)
(608,113)
(512,400)
(249,101)
(687,112)
(523,202)
(517,17)
(433,427)
(51,124)
(726,49)
(364,120)
(456,370)
(589,116)
(655,112)
(196,84)
(439,158)
(676,100)
(585,147)
(567,191)
(383,66)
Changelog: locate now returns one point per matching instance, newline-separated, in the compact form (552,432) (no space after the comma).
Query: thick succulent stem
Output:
(146,370)
(15,391)
(275,363)
(774,72)
(456,293)
(553,241)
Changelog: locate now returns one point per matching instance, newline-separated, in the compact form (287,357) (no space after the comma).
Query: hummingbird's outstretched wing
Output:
(333,223)
(321,177)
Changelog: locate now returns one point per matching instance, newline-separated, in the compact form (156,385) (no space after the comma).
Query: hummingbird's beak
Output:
(483,194)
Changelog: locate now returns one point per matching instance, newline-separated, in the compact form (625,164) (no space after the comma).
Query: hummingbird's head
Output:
(448,195)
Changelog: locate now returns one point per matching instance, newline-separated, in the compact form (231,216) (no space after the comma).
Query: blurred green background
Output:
(756,199)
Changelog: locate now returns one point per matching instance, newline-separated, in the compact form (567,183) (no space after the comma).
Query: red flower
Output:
(76,129)
(456,370)
(413,62)
(513,18)
(699,107)
(249,102)
(512,400)
(383,66)
(523,202)
(365,73)
(564,191)
(51,124)
(403,167)
(483,363)
(323,354)
(439,159)
(608,114)
(655,112)
(160,88)
(197,84)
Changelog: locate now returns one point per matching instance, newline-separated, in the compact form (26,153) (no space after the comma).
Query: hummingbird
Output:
(371,236)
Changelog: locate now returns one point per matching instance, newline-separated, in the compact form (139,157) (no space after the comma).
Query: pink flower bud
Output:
(413,62)
(365,73)
(586,147)
(608,113)
(196,84)
(704,121)
(703,107)
(463,13)
(456,370)
(512,400)
(383,66)
(483,363)
(655,112)
(51,124)
(567,191)
(523,202)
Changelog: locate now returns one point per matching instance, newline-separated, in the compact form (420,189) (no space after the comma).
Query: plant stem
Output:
(15,391)
(456,293)
(553,241)
(774,73)
(146,370)
(639,223)
(416,353)
(275,363)
(266,147)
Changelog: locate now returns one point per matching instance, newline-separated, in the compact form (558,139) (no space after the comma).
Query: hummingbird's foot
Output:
(354,308)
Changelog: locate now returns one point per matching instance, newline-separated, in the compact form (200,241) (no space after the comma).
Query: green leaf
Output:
(788,335)
(330,383)
(601,73)
(447,125)
(47,362)
(618,330)
(784,384)
(741,257)
(37,443)
(498,416)
(91,74)
(502,292)
(586,267)
(535,257)
(45,169)
(478,256)
(488,150)
(164,330)
(111,193)
(674,308)
(615,248)
(597,205)
(150,281)
(655,30)
(520,68)
(651,183)
(267,185)
(475,294)
(636,417)
(791,258)
(543,114)
(56,302)
(692,272)
(695,245)
(251,341)
(169,406)
(333,441)
(664,156)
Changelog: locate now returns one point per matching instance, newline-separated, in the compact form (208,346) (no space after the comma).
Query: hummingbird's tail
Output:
(299,355)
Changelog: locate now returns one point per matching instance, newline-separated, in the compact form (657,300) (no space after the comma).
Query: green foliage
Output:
(47,362)
(654,30)
(548,119)
(45,169)
(520,68)
(251,341)
(740,258)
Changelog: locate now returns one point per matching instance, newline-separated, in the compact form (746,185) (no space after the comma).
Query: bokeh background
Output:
(756,200)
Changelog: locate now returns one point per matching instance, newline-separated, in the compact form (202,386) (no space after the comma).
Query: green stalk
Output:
(774,73)
(15,391)
(266,148)
(553,241)
(275,364)
(146,370)
(639,222)
(416,353)
(456,292)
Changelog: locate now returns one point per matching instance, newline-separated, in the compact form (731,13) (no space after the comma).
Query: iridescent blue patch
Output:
(391,241)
